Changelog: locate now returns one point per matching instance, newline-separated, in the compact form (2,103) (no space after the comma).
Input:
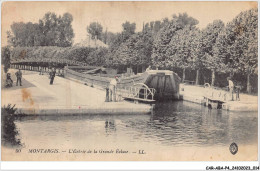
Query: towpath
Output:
(195,94)
(64,96)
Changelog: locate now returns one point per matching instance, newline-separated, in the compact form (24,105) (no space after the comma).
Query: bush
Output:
(9,132)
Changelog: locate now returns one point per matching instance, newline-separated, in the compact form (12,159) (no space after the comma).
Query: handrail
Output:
(135,92)
(145,87)
(206,85)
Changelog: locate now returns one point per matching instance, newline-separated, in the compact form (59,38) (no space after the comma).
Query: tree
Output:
(211,60)
(95,30)
(194,59)
(5,54)
(116,46)
(182,49)
(238,44)
(108,37)
(128,28)
(66,31)
(136,51)
(166,34)
(98,57)
(56,30)
(23,34)
(52,30)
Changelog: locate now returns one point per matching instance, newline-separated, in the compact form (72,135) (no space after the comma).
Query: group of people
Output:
(233,89)
(9,81)
(18,74)
(111,89)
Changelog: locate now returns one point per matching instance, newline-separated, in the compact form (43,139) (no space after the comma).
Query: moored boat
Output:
(164,82)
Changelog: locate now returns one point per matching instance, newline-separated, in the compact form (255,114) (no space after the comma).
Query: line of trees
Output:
(51,30)
(178,44)
(207,55)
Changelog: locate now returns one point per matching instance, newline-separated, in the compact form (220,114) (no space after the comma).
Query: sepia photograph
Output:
(129,81)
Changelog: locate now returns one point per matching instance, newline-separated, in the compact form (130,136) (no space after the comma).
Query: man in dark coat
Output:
(52,75)
(19,77)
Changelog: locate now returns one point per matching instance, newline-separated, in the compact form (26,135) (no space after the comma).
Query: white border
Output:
(120,165)
(8,165)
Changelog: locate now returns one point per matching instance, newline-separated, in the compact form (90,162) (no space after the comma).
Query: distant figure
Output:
(41,72)
(112,89)
(19,75)
(149,68)
(9,81)
(107,94)
(52,75)
(238,88)
(231,87)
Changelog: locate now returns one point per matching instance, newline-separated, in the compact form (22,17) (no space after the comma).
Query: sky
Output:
(112,14)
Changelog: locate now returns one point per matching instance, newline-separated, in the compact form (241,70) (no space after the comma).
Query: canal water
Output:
(171,124)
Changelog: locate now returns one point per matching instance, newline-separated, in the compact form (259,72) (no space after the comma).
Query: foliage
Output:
(95,30)
(98,57)
(8,128)
(182,48)
(52,30)
(128,29)
(5,54)
(209,35)
(174,43)
(135,51)
(165,36)
(238,45)
(80,54)
(108,37)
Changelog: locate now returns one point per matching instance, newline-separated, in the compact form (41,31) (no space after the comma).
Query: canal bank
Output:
(187,130)
(198,94)
(37,97)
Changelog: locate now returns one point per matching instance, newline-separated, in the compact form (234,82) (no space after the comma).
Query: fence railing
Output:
(47,60)
(86,78)
(138,91)
(220,94)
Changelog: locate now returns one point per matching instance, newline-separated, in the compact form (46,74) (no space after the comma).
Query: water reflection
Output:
(171,124)
(110,126)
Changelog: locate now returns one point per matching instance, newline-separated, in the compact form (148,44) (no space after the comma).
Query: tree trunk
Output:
(183,75)
(248,87)
(213,77)
(197,76)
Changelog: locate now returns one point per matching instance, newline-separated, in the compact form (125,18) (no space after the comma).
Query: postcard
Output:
(129,81)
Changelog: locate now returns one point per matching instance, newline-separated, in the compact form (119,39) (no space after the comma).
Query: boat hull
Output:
(165,82)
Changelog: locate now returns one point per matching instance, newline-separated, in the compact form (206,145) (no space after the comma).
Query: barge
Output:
(164,82)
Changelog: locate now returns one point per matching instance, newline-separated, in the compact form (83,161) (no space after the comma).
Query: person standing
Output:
(231,87)
(41,72)
(19,75)
(112,89)
(238,88)
(52,75)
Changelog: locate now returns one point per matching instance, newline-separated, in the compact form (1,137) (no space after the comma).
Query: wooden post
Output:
(248,86)
(213,77)
(183,75)
(197,77)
